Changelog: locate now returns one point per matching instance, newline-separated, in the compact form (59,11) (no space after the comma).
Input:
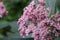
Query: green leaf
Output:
(51,4)
(58,38)
(1,36)
(3,23)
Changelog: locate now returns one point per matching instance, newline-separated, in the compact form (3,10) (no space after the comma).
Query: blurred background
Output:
(8,24)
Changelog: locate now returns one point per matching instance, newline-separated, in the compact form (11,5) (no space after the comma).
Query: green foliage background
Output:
(8,24)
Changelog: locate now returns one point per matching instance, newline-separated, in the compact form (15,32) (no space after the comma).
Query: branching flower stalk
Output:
(35,21)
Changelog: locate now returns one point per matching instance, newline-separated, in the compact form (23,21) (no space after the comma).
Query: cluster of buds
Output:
(3,10)
(35,21)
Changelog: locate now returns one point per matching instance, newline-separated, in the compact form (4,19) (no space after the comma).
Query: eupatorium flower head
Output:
(3,10)
(35,21)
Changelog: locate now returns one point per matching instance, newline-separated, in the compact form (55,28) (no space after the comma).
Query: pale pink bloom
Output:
(56,34)
(44,31)
(58,19)
(27,31)
(41,2)
(48,9)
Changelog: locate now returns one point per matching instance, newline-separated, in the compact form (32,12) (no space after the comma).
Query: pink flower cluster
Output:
(3,10)
(35,21)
